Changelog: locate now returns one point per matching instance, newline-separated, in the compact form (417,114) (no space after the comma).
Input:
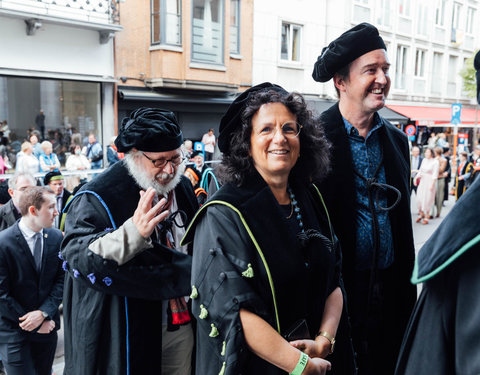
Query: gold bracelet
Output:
(330,338)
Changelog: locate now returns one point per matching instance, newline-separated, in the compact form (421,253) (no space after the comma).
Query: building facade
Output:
(189,56)
(428,42)
(57,57)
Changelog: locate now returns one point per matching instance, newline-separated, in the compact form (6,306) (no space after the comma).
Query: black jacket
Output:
(100,294)
(8,215)
(338,189)
(22,289)
(442,335)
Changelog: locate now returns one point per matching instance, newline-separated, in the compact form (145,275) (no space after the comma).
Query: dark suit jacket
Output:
(22,289)
(8,215)
(65,198)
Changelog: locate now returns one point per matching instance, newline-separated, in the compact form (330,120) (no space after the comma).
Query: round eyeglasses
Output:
(161,163)
(289,129)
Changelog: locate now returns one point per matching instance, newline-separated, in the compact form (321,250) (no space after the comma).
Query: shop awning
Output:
(430,116)
(320,105)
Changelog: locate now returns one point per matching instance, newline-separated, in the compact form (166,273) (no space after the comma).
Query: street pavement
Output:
(421,233)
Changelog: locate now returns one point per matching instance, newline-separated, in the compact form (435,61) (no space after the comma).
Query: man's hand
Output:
(31,320)
(46,327)
(146,217)
(319,348)
(317,366)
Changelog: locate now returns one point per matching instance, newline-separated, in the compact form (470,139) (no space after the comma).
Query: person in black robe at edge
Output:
(442,335)
(368,196)
(266,283)
(124,305)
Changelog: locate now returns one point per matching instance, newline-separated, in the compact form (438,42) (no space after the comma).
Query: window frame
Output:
(162,13)
(382,11)
(440,13)
(292,26)
(403,72)
(470,21)
(419,52)
(238,25)
(401,12)
(196,62)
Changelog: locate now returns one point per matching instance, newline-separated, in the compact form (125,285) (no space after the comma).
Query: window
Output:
(437,71)
(383,13)
(422,19)
(401,67)
(470,20)
(235,26)
(440,13)
(455,21)
(207,31)
(404,8)
(291,37)
(420,63)
(452,76)
(67,106)
(167,22)
(361,11)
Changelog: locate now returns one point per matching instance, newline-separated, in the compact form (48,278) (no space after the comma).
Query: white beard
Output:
(145,181)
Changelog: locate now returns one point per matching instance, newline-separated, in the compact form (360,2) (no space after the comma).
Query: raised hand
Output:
(146,217)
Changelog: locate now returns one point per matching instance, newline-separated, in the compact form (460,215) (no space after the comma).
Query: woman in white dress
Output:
(27,163)
(427,176)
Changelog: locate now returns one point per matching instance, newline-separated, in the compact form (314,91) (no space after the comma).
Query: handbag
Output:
(298,331)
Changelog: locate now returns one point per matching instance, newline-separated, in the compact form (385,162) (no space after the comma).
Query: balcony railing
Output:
(88,11)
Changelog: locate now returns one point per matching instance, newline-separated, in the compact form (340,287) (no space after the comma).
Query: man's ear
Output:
(32,210)
(10,192)
(339,82)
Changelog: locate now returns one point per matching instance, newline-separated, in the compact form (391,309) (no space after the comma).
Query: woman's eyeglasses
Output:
(161,163)
(289,130)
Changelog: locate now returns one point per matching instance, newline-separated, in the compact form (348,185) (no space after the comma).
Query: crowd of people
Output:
(294,255)
(431,175)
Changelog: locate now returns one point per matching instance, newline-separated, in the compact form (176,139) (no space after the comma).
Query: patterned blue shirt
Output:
(366,154)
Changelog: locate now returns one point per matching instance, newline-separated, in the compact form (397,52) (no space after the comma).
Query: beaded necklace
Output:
(295,208)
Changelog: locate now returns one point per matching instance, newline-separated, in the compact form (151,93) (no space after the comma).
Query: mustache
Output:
(165,176)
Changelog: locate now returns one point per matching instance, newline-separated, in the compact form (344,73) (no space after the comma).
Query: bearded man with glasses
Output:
(124,305)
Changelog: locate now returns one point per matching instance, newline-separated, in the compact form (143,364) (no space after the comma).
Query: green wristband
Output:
(302,363)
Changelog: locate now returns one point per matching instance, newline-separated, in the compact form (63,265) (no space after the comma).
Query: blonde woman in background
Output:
(27,163)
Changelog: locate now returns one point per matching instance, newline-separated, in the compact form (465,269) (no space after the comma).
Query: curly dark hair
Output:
(313,163)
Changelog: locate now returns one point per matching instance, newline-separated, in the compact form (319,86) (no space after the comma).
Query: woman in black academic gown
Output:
(266,284)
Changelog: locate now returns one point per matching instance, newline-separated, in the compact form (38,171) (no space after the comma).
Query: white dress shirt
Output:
(29,235)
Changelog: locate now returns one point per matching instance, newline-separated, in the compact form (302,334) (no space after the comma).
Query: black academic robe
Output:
(225,252)
(443,333)
(112,313)
(338,189)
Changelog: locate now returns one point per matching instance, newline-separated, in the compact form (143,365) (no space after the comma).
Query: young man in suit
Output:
(10,213)
(31,286)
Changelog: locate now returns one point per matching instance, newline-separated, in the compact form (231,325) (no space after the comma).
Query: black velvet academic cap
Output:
(232,119)
(52,176)
(349,46)
(151,130)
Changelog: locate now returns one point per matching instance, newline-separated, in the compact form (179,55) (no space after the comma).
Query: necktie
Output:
(37,251)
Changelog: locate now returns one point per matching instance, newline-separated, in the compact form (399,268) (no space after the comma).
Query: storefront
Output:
(56,72)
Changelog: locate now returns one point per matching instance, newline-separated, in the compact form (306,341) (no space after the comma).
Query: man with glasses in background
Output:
(124,305)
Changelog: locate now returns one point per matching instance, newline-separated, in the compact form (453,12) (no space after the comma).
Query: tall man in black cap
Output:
(124,308)
(367,193)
